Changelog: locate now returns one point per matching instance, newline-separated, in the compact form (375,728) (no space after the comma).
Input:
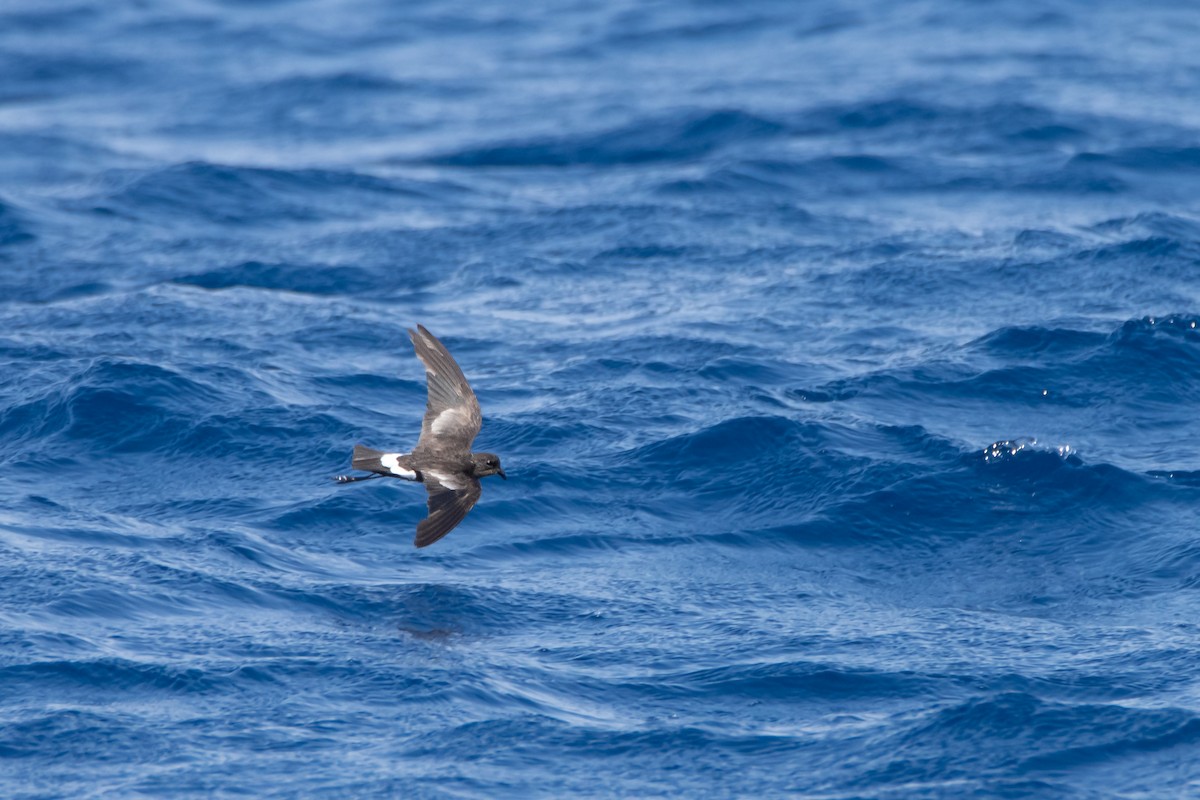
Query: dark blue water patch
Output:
(1055,133)
(65,735)
(726,443)
(1149,360)
(787,682)
(1036,735)
(287,277)
(37,76)
(725,182)
(382,386)
(40,158)
(667,748)
(38,20)
(113,603)
(1075,177)
(648,354)
(680,136)
(403,263)
(874,115)
(1036,343)
(1034,240)
(197,190)
(260,439)
(771,474)
(1005,128)
(1156,224)
(219,194)
(635,30)
(1024,527)
(313,106)
(421,607)
(113,674)
(1182,476)
(13,228)
(1156,248)
(1123,169)
(546,437)
(1016,133)
(114,405)
(883,279)
(775,180)
(39,418)
(1107,731)
(1164,351)
(1171,328)
(1146,159)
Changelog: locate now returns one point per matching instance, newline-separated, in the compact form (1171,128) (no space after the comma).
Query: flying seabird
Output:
(442,459)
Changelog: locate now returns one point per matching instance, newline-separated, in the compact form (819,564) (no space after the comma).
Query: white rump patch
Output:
(447,480)
(447,419)
(392,462)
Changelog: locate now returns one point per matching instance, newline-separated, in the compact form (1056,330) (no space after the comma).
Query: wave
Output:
(1038,151)
(231,195)
(771,480)
(14,229)
(1143,358)
(38,75)
(286,277)
(1152,359)
(1042,738)
(679,136)
(1143,159)
(110,406)
(113,674)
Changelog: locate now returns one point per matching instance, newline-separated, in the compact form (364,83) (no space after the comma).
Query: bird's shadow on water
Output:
(429,612)
(434,612)
(436,635)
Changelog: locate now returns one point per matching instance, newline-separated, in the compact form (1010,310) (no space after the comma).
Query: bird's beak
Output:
(500,472)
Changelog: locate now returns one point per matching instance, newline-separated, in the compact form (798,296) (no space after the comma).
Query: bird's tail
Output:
(366,458)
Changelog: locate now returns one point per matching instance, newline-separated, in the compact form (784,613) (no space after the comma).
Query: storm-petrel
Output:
(442,459)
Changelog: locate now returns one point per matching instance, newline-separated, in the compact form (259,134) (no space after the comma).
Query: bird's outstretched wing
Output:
(452,416)
(447,507)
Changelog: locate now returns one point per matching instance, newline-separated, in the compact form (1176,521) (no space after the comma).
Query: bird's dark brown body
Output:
(442,458)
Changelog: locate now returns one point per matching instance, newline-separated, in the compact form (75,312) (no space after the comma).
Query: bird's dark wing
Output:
(452,416)
(447,506)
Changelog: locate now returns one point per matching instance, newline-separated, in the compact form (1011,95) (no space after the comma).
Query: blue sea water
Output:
(843,357)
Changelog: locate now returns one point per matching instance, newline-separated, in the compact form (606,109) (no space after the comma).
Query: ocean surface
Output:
(844,359)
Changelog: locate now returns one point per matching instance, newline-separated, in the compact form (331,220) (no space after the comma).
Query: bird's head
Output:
(486,464)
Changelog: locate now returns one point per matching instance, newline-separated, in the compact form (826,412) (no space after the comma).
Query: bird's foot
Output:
(353,478)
